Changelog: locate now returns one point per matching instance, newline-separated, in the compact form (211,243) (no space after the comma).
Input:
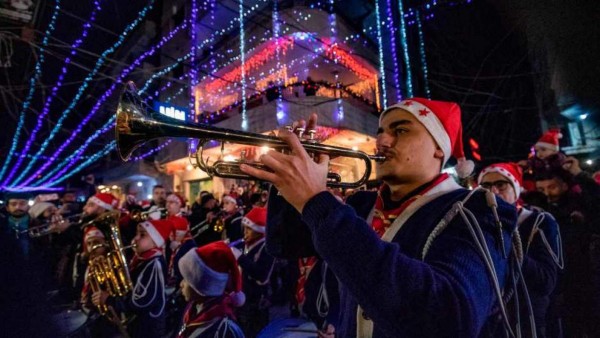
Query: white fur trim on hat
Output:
(230,199)
(548,145)
(39,208)
(431,122)
(93,233)
(499,170)
(154,234)
(248,223)
(201,278)
(101,203)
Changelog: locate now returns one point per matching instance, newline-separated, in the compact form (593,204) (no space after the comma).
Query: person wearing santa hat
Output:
(147,270)
(94,245)
(98,204)
(406,262)
(540,238)
(212,286)
(232,219)
(180,242)
(546,157)
(257,265)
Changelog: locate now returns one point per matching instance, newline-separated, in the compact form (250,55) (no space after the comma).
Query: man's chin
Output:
(18,214)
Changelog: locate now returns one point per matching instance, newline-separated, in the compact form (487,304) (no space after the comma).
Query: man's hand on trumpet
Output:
(297,176)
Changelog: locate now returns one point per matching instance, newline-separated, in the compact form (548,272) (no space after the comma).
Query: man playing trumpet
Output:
(421,257)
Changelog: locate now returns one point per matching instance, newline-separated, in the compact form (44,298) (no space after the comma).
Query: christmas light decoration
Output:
(380,47)
(46,108)
(392,28)
(243,67)
(36,74)
(107,149)
(194,51)
(99,103)
(423,56)
(409,88)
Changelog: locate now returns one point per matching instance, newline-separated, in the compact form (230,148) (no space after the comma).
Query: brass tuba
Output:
(137,123)
(110,272)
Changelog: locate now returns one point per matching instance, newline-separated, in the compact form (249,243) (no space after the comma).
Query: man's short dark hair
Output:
(550,174)
(158,186)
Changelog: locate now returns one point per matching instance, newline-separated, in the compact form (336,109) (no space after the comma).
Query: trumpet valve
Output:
(300,132)
(311,135)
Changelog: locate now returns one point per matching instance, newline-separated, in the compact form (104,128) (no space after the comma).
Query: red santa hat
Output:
(230,199)
(158,230)
(105,200)
(212,271)
(90,232)
(256,219)
(511,171)
(180,225)
(443,121)
(550,139)
(178,198)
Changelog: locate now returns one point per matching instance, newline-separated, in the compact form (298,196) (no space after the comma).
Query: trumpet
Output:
(142,216)
(50,227)
(137,123)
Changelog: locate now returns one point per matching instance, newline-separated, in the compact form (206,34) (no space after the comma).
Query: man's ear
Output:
(438,153)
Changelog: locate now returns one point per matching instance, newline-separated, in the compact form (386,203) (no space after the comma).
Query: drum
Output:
(71,323)
(289,328)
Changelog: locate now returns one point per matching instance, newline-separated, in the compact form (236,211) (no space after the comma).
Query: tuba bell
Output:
(137,123)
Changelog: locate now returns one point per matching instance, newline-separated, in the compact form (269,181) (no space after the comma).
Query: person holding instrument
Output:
(420,257)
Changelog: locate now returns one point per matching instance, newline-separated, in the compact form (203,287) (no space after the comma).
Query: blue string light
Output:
(82,88)
(46,109)
(394,51)
(380,47)
(107,149)
(243,60)
(409,87)
(62,167)
(423,56)
(194,52)
(32,80)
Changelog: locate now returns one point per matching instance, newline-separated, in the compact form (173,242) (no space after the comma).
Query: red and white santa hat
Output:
(256,219)
(105,200)
(181,225)
(511,171)
(443,121)
(212,271)
(91,232)
(158,230)
(178,198)
(550,139)
(230,199)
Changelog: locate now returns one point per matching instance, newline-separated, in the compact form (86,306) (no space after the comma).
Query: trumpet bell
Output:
(137,123)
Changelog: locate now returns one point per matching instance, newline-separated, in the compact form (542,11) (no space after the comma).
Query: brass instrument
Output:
(139,216)
(110,272)
(50,226)
(137,124)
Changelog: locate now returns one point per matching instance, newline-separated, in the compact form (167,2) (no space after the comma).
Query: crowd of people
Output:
(418,256)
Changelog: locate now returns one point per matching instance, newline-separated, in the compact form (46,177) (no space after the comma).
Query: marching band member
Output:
(94,245)
(232,219)
(421,257)
(540,237)
(181,242)
(257,265)
(147,300)
(212,287)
